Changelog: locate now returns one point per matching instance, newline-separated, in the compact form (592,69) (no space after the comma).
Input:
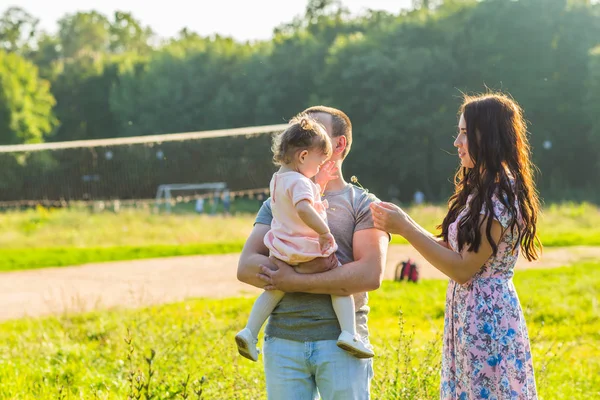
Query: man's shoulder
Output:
(353,198)
(362,198)
(265,214)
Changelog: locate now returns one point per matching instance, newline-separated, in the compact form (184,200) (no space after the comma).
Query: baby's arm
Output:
(309,215)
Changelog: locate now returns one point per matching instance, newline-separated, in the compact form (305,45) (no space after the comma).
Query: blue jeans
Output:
(305,370)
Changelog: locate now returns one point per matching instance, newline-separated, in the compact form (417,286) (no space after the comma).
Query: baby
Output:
(299,231)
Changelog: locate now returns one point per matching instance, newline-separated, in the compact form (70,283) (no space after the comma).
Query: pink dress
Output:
(486,346)
(290,239)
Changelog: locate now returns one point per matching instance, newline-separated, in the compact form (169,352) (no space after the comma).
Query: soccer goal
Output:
(164,193)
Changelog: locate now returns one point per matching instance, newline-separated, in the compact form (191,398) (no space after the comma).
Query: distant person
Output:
(200,205)
(226,201)
(419,197)
(492,216)
(214,204)
(261,198)
(299,231)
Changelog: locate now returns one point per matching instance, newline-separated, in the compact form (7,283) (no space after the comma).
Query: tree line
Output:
(399,76)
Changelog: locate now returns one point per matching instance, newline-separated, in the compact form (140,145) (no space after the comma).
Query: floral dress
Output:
(486,346)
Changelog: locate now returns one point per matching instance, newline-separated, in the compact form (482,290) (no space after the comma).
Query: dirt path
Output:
(155,281)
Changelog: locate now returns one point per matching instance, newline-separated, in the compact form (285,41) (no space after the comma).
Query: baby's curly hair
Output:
(304,133)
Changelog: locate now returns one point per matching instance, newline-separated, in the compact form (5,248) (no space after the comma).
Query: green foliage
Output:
(82,88)
(594,102)
(192,84)
(188,347)
(84,32)
(128,34)
(17,29)
(398,76)
(25,102)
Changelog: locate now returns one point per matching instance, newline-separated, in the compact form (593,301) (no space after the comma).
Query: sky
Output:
(242,19)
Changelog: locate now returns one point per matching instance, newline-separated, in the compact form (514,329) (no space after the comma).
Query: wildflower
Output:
(354,180)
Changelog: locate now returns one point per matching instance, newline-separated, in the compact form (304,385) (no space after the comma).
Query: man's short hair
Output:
(340,122)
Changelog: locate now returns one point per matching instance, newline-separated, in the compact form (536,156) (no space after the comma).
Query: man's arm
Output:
(254,254)
(364,274)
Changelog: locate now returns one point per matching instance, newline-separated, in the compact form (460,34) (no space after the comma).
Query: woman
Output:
(492,216)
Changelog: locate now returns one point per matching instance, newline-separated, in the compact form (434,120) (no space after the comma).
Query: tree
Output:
(128,35)
(18,29)
(426,4)
(84,32)
(593,101)
(46,54)
(187,86)
(82,88)
(25,102)
(318,9)
(397,97)
(398,76)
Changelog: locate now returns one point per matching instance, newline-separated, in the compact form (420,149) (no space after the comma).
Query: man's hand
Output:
(283,278)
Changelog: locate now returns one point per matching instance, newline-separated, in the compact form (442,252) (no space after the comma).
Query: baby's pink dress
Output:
(290,239)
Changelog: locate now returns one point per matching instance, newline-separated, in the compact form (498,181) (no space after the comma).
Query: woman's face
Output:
(462,144)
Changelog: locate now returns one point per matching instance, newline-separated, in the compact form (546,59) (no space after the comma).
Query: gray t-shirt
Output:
(306,317)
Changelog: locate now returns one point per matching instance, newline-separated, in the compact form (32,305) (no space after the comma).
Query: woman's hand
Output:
(390,218)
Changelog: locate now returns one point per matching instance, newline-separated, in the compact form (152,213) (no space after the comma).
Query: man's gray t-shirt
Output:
(306,317)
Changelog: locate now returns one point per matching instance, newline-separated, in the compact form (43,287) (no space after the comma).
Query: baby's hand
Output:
(326,241)
(328,172)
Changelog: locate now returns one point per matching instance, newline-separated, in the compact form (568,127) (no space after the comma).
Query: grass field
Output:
(170,351)
(40,237)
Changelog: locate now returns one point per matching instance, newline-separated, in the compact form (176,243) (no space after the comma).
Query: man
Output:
(301,357)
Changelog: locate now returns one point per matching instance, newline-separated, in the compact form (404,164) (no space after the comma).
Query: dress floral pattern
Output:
(486,346)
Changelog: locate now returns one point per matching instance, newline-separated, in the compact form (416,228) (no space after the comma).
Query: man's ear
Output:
(340,145)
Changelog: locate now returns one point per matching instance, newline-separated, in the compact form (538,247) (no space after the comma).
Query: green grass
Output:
(79,228)
(43,238)
(93,355)
(19,259)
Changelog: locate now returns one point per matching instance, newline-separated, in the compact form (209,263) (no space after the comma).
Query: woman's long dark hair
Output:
(499,148)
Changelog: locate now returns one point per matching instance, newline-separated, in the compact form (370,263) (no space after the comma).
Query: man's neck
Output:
(339,183)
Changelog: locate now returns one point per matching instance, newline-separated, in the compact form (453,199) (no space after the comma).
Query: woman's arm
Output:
(438,240)
(425,232)
(460,267)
